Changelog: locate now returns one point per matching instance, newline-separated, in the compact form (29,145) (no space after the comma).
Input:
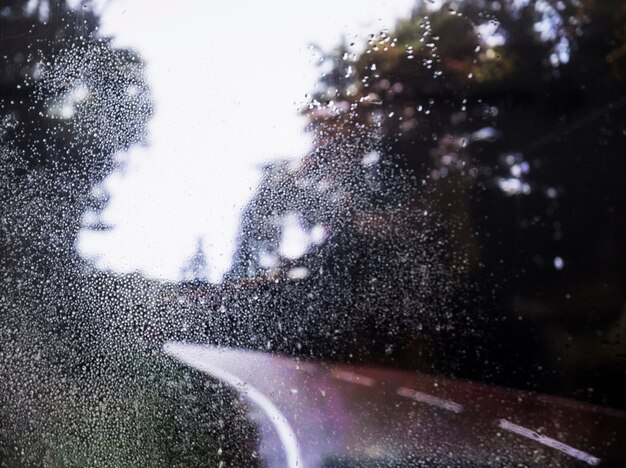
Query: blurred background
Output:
(430,185)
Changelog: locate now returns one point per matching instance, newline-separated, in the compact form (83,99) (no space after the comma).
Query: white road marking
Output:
(189,356)
(430,399)
(549,442)
(353,378)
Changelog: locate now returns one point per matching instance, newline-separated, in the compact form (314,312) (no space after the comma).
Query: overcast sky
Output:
(227,79)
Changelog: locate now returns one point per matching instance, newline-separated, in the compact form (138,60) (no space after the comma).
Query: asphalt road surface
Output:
(316,414)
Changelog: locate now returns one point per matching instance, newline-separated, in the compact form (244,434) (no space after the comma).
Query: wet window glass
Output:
(323,234)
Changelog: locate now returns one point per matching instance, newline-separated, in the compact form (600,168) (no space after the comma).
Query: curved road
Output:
(316,414)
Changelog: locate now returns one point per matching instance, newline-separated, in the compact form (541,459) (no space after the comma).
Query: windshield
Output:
(336,234)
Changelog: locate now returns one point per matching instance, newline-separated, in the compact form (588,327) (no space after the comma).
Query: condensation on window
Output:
(343,235)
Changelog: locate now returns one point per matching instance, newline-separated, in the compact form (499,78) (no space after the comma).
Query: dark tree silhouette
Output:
(480,142)
(196,269)
(69,102)
(82,378)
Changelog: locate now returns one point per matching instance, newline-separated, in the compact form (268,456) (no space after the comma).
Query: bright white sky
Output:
(227,78)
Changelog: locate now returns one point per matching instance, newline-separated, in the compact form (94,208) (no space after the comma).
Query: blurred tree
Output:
(69,102)
(481,140)
(196,269)
(82,381)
